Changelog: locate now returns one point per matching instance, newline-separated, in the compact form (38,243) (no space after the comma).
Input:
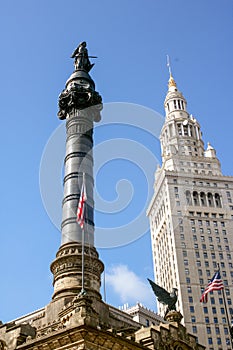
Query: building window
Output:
(205,309)
(190,299)
(191,308)
(210,199)
(214,310)
(210,341)
(203,199)
(215,320)
(193,319)
(184,253)
(217,200)
(208,330)
(222,310)
(194,329)
(188,198)
(195,198)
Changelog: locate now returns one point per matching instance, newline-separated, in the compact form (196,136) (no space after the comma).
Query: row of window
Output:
(200,183)
(207,222)
(208,231)
(214,311)
(203,199)
(205,215)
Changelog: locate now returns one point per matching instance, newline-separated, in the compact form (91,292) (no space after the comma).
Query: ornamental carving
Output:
(77,97)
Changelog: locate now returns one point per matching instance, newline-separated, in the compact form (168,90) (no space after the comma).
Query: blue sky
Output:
(131,40)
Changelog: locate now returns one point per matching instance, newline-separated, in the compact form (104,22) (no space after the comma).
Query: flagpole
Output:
(226,310)
(83,290)
(104,287)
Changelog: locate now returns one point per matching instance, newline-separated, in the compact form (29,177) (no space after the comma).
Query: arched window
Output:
(217,200)
(203,199)
(188,198)
(195,198)
(210,199)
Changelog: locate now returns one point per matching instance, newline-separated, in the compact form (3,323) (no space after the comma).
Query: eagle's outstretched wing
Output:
(162,294)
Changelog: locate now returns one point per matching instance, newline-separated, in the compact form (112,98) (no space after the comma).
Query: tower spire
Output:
(80,104)
(171,81)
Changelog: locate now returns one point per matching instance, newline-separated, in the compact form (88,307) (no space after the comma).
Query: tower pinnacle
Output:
(171,81)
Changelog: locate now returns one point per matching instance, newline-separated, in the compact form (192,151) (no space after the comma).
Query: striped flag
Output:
(81,206)
(215,283)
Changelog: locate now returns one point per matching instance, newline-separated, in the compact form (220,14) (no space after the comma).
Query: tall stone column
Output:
(80,105)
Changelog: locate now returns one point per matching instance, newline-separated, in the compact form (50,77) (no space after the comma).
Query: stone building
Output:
(191,220)
(77,318)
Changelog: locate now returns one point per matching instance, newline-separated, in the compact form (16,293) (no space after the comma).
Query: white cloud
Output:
(128,286)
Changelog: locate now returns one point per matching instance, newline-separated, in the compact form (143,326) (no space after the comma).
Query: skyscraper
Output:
(191,220)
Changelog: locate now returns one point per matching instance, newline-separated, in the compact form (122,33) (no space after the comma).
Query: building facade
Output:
(191,220)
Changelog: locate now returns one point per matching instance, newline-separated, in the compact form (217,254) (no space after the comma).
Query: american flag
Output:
(215,283)
(81,206)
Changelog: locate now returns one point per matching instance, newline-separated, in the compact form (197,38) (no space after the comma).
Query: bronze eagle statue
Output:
(164,296)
